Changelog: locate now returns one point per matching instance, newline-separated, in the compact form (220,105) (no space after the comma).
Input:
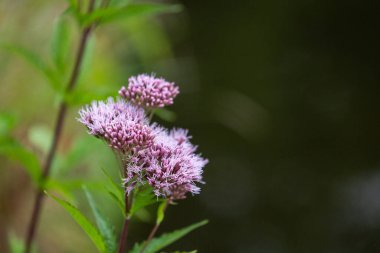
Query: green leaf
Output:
(65,187)
(60,46)
(129,11)
(161,211)
(165,114)
(143,197)
(29,161)
(115,191)
(83,222)
(41,137)
(7,122)
(106,230)
(72,3)
(34,60)
(16,245)
(166,239)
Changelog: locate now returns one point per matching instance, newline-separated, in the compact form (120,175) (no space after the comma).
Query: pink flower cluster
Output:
(149,91)
(122,125)
(170,165)
(150,154)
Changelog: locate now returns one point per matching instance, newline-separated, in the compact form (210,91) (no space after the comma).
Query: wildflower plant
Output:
(158,166)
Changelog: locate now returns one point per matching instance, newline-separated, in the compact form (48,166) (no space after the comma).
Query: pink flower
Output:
(122,125)
(171,166)
(149,91)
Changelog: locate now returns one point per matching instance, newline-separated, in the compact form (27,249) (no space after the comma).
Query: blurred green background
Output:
(281,96)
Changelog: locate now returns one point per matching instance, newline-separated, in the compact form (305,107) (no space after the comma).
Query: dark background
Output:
(281,96)
(288,113)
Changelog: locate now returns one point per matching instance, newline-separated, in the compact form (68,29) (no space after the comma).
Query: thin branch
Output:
(57,134)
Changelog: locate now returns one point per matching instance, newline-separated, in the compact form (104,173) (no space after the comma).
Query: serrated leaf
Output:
(28,160)
(142,197)
(83,222)
(34,60)
(166,239)
(120,204)
(129,11)
(106,230)
(115,191)
(60,46)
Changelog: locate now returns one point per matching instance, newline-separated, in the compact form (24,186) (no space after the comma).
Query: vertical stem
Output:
(57,134)
(153,231)
(124,233)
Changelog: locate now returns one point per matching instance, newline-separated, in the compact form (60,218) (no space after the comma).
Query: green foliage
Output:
(16,245)
(142,197)
(73,158)
(41,137)
(119,3)
(166,239)
(34,60)
(60,45)
(84,223)
(115,191)
(7,122)
(161,211)
(131,10)
(104,226)
(29,161)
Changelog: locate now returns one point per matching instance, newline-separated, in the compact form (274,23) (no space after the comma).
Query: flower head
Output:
(122,125)
(172,167)
(149,91)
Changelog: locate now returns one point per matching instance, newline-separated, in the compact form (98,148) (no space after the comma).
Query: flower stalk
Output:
(155,228)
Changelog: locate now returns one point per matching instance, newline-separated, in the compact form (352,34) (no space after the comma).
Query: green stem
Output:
(154,229)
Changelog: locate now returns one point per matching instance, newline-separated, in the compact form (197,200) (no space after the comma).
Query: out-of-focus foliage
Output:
(109,60)
(166,239)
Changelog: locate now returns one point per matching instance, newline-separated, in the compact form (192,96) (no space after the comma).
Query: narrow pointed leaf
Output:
(142,198)
(28,160)
(34,60)
(115,191)
(105,228)
(166,239)
(83,222)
